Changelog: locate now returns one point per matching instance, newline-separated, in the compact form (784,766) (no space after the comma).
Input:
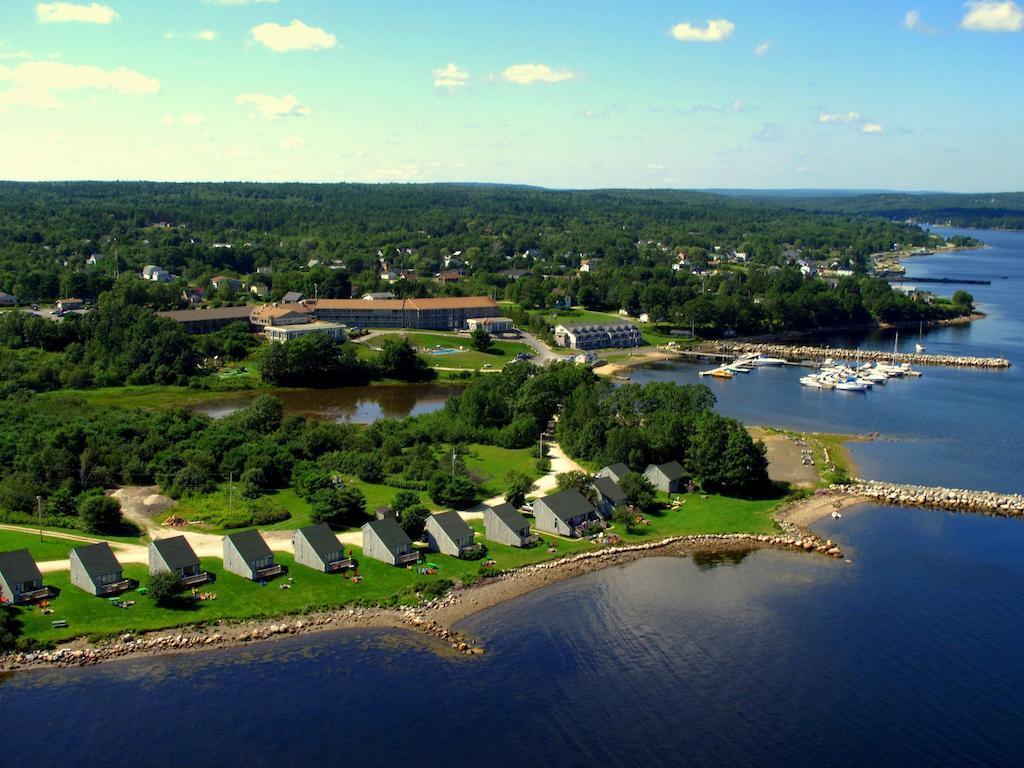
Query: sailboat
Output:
(919,347)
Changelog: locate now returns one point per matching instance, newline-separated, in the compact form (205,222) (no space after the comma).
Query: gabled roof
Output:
(176,552)
(673,470)
(293,296)
(568,504)
(510,516)
(389,532)
(618,469)
(453,525)
(18,566)
(610,490)
(321,538)
(97,559)
(250,545)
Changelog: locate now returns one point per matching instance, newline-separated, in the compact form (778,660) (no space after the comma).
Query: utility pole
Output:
(39,514)
(453,461)
(231,489)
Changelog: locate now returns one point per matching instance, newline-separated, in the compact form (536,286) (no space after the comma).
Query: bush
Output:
(99,513)
(413,520)
(164,588)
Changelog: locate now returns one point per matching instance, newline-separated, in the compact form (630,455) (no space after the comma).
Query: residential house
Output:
(669,477)
(609,495)
(378,296)
(504,524)
(491,324)
(450,276)
(95,569)
(293,297)
(567,513)
(383,513)
(69,305)
(193,296)
(615,471)
(20,579)
(644,317)
(318,548)
(265,270)
(246,554)
(8,300)
(94,259)
(156,274)
(385,540)
(449,534)
(175,555)
(259,290)
(223,281)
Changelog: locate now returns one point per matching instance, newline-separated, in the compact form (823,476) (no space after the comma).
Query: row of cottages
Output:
(20,580)
(669,477)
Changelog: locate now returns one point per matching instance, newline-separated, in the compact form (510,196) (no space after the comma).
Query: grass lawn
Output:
(492,464)
(715,514)
(468,358)
(152,396)
(49,548)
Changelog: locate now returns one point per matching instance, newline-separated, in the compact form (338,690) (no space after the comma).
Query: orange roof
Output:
(268,310)
(447,302)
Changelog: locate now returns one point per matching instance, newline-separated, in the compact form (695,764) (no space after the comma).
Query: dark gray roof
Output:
(97,559)
(18,566)
(292,297)
(568,504)
(390,533)
(210,313)
(618,469)
(610,490)
(250,545)
(510,516)
(176,552)
(453,525)
(673,470)
(321,538)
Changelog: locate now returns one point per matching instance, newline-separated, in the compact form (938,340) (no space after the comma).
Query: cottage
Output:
(95,569)
(292,297)
(156,274)
(383,513)
(449,534)
(567,513)
(20,579)
(259,290)
(175,555)
(615,471)
(385,540)
(223,281)
(69,305)
(504,524)
(318,548)
(247,554)
(669,477)
(8,300)
(609,495)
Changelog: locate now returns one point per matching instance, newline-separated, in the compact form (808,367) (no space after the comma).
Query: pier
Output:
(950,499)
(799,353)
(941,280)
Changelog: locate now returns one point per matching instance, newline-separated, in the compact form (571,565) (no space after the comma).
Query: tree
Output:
(518,484)
(341,506)
(640,493)
(725,459)
(579,480)
(164,588)
(403,500)
(99,513)
(413,519)
(452,490)
(482,341)
(964,300)
(398,360)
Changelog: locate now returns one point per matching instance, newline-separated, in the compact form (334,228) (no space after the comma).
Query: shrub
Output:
(164,588)
(99,513)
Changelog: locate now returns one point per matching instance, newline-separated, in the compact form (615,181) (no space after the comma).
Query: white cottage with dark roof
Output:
(95,569)
(615,471)
(318,548)
(669,477)
(20,579)
(246,554)
(175,555)
(504,524)
(385,540)
(449,534)
(567,513)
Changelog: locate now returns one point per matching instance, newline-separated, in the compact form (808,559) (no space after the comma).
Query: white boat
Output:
(761,360)
(919,347)
(816,382)
(851,385)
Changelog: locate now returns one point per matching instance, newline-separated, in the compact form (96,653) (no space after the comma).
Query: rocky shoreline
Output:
(434,618)
(807,352)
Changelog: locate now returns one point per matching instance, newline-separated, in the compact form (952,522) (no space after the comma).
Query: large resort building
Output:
(598,336)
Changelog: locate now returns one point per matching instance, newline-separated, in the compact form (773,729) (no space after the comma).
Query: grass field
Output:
(492,464)
(715,514)
(467,358)
(49,548)
(153,396)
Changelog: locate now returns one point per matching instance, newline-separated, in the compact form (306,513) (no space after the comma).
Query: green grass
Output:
(491,464)
(469,359)
(715,514)
(49,548)
(151,396)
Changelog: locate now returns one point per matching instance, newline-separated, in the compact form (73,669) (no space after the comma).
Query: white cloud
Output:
(293,142)
(913,21)
(6,54)
(33,83)
(528,74)
(450,77)
(838,117)
(203,35)
(295,37)
(714,31)
(237,2)
(274,107)
(762,49)
(191,119)
(737,106)
(987,16)
(94,13)
(872,128)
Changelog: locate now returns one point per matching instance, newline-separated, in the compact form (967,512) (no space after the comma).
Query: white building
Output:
(284,333)
(593,336)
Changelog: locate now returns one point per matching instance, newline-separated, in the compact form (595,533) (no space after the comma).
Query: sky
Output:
(873,94)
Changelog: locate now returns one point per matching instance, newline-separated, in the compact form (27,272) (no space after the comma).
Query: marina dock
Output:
(803,352)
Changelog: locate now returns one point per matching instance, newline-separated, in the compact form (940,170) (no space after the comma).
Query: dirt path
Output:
(785,459)
(141,503)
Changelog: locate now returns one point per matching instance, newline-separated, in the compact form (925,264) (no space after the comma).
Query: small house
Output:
(223,281)
(175,555)
(383,513)
(614,472)
(609,495)
(246,554)
(567,513)
(69,305)
(20,579)
(669,477)
(292,297)
(318,548)
(385,540)
(95,569)
(504,524)
(449,534)
(8,300)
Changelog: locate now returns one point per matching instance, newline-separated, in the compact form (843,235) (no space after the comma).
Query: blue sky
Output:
(561,93)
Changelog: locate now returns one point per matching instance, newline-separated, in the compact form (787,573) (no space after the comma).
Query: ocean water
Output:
(909,655)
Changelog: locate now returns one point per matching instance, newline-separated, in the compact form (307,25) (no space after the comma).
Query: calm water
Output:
(907,657)
(949,427)
(359,405)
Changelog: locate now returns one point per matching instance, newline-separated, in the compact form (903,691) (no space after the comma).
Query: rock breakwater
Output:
(951,499)
(805,352)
